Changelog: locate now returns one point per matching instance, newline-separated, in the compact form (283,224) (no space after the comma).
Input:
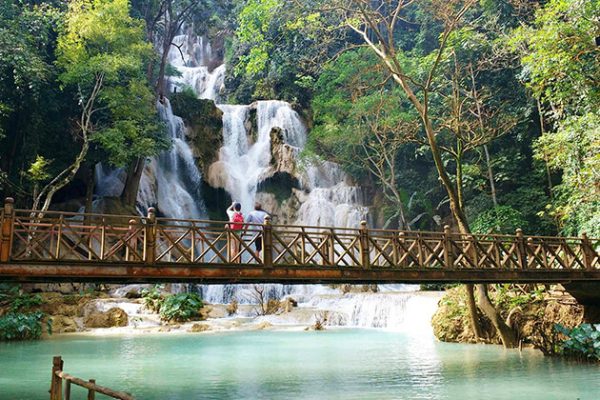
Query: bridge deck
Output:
(60,246)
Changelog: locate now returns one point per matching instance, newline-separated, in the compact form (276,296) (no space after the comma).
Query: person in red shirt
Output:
(236,224)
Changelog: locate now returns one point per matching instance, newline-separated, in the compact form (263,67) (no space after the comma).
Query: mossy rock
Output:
(63,324)
(114,317)
(199,328)
(205,123)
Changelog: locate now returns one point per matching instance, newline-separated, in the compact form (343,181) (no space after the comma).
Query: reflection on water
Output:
(335,364)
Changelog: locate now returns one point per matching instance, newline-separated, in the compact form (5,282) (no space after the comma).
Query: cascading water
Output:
(327,197)
(193,56)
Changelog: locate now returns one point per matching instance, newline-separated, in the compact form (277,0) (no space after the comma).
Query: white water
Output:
(193,59)
(171,182)
(328,198)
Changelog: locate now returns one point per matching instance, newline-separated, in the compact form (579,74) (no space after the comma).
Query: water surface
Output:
(334,364)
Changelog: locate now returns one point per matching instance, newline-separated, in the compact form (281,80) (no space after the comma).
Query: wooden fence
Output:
(56,238)
(58,376)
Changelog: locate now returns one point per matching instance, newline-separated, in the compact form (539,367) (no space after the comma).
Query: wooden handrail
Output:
(58,376)
(180,246)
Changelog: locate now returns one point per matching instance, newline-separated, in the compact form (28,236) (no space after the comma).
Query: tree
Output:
(561,66)
(32,118)
(279,49)
(376,22)
(360,124)
(101,52)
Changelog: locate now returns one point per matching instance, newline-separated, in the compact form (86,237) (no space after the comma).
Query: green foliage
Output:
(172,307)
(574,149)
(38,172)
(254,21)
(583,341)
(103,47)
(501,219)
(561,65)
(560,58)
(180,307)
(278,50)
(507,298)
(153,298)
(435,287)
(20,322)
(21,326)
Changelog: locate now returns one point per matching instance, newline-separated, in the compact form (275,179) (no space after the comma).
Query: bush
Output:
(180,307)
(583,341)
(20,322)
(153,298)
(22,326)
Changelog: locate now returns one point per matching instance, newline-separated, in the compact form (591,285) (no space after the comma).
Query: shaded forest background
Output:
(511,92)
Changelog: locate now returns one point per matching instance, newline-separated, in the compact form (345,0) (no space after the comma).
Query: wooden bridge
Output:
(62,246)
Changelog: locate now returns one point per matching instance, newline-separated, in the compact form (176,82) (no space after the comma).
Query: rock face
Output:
(63,324)
(114,317)
(283,155)
(205,127)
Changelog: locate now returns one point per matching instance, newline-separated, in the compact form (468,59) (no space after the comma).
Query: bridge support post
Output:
(150,237)
(267,238)
(6,230)
(131,247)
(521,250)
(364,245)
(448,252)
(589,254)
(56,381)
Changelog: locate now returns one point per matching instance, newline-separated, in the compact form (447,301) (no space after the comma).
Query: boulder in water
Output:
(199,328)
(114,317)
(63,324)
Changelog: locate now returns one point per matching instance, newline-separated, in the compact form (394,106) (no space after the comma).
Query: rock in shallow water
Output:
(114,317)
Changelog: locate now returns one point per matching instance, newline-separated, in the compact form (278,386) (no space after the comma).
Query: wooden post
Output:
(150,237)
(267,238)
(6,230)
(61,222)
(589,254)
(56,381)
(364,244)
(91,392)
(403,260)
(521,251)
(68,390)
(448,253)
(530,250)
(131,241)
(331,246)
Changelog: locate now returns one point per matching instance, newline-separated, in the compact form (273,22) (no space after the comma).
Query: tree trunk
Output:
(488,161)
(507,334)
(542,131)
(132,183)
(160,81)
(474,316)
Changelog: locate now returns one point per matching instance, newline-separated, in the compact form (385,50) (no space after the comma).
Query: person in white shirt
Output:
(257,217)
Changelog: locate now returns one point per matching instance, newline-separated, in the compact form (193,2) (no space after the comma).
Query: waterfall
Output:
(192,57)
(177,176)
(406,311)
(327,196)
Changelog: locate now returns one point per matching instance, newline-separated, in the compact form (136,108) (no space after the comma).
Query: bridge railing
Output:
(28,236)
